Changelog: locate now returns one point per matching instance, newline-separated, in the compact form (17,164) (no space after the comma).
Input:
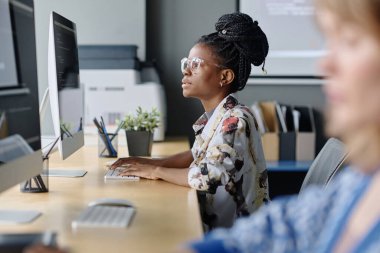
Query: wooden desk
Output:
(167,215)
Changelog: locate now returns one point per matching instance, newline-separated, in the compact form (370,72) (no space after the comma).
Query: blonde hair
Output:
(362,12)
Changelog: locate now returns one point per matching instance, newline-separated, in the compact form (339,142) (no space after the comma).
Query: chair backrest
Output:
(326,164)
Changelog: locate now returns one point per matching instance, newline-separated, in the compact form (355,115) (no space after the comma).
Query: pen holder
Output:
(39,183)
(107,145)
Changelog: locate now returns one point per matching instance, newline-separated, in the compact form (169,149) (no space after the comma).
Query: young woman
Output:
(226,164)
(345,217)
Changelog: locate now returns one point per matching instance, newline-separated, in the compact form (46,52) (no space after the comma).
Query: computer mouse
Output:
(111,202)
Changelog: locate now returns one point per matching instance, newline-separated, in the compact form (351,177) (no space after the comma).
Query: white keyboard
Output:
(105,216)
(114,174)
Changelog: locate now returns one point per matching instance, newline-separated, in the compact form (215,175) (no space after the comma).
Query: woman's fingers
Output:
(118,163)
(139,170)
(123,161)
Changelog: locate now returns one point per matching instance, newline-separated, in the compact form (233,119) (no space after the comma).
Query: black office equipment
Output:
(16,243)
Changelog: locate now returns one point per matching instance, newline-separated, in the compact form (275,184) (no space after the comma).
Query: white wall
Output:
(97,21)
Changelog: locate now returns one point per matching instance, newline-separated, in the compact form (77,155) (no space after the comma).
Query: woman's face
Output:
(204,82)
(352,68)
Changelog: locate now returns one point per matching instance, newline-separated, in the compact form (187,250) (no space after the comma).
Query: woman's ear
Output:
(227,76)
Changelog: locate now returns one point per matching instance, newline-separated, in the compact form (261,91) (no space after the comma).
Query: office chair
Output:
(326,165)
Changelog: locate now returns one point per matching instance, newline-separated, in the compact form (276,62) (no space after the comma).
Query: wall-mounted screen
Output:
(295,43)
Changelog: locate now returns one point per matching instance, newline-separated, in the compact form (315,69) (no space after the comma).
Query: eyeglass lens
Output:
(193,64)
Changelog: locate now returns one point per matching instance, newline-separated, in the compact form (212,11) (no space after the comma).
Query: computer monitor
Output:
(65,92)
(20,144)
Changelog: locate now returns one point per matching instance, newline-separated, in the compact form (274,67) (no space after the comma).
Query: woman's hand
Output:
(141,170)
(130,160)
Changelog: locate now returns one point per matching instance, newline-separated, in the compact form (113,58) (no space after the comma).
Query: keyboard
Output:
(114,174)
(105,216)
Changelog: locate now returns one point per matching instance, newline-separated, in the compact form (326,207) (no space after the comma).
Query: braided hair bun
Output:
(247,36)
(238,42)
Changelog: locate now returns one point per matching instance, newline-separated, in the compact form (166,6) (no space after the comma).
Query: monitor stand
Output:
(49,146)
(18,216)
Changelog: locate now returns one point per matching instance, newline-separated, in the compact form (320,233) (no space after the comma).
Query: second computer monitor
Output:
(66,94)
(20,144)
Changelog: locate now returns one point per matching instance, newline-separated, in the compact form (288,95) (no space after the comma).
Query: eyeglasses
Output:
(194,63)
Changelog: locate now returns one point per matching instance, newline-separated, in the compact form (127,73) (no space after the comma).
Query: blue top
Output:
(311,222)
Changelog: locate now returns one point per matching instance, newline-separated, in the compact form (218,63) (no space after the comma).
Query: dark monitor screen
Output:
(19,112)
(66,52)
(8,70)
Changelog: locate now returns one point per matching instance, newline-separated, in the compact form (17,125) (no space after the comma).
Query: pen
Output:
(80,124)
(118,128)
(104,136)
(115,134)
(102,121)
(96,122)
(111,148)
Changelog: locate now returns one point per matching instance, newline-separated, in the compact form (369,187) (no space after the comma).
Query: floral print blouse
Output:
(229,169)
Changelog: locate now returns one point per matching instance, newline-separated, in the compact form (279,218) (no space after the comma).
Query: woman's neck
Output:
(365,214)
(364,150)
(211,103)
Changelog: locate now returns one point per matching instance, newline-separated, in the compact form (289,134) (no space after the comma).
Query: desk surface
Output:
(167,215)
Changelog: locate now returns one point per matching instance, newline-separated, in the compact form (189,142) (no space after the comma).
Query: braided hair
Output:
(238,42)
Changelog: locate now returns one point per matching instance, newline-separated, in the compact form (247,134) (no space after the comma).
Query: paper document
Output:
(296,118)
(281,118)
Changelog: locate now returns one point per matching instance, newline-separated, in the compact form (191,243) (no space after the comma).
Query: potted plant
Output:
(139,131)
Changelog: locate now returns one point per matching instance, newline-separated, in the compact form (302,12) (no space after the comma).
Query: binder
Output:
(270,140)
(305,136)
(3,125)
(288,138)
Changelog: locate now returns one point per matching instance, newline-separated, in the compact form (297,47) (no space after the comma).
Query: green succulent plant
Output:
(142,121)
